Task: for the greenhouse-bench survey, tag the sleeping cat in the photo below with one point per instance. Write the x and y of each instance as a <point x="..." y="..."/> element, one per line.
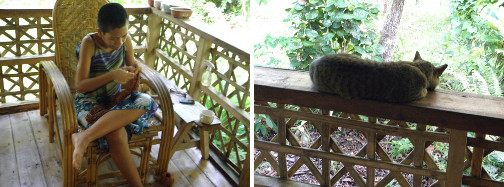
<point x="352" y="77"/>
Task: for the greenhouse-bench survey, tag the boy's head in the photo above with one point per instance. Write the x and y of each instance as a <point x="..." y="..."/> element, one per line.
<point x="113" y="25"/>
<point x="112" y="16"/>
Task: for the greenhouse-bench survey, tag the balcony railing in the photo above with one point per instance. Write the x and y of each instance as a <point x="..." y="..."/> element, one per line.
<point x="442" y="118"/>
<point x="176" y="48"/>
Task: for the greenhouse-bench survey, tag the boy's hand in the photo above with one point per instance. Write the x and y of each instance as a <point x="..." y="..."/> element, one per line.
<point x="123" y="75"/>
<point x="137" y="67"/>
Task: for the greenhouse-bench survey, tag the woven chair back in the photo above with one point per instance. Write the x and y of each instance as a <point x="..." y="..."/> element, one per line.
<point x="72" y="20"/>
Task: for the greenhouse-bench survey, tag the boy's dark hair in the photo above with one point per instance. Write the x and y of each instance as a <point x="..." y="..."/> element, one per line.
<point x="112" y="16"/>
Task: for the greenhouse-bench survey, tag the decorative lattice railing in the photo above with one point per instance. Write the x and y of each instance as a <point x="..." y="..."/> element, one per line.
<point x="182" y="47"/>
<point x="26" y="38"/>
<point x="333" y="141"/>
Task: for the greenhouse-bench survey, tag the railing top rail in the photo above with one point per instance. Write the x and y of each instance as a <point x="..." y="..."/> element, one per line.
<point x="443" y="108"/>
<point x="204" y="31"/>
<point x="40" y="11"/>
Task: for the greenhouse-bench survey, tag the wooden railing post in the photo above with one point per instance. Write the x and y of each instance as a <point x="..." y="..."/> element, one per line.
<point x="153" y="35"/>
<point x="282" y="140"/>
<point x="418" y="155"/>
<point x="202" y="54"/>
<point x="325" y="136"/>
<point x="245" y="173"/>
<point x="371" y="149"/>
<point x="456" y="153"/>
<point x="477" y="158"/>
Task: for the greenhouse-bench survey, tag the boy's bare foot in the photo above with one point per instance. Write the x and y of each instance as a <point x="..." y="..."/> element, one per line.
<point x="79" y="147"/>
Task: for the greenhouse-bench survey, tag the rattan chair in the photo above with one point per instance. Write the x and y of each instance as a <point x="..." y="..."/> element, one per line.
<point x="72" y="20"/>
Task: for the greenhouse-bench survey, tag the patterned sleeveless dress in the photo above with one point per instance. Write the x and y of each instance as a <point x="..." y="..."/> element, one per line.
<point x="103" y="62"/>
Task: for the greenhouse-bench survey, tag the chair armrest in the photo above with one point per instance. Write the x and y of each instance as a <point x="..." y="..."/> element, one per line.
<point x="64" y="95"/>
<point x="155" y="81"/>
<point x="58" y="88"/>
<point x="158" y="83"/>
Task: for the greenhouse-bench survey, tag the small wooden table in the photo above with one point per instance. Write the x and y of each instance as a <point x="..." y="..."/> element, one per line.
<point x="189" y="115"/>
<point x="183" y="138"/>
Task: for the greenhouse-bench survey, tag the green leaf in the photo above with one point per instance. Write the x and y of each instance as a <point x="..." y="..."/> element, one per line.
<point x="307" y="44"/>
<point x="341" y="4"/>
<point x="378" y="49"/>
<point x="312" y="14"/>
<point x="375" y="10"/>
<point x="360" y="13"/>
<point x="347" y="16"/>
<point x="490" y="39"/>
<point x="298" y="7"/>
<point x="291" y="46"/>
<point x="271" y="124"/>
<point x="313" y="1"/>
<point x="327" y="49"/>
<point x="264" y="131"/>
<point x="311" y="33"/>
<point x="328" y="37"/>
<point x="331" y="2"/>
<point x="360" y="50"/>
<point x="327" y="23"/>
<point x="340" y="33"/>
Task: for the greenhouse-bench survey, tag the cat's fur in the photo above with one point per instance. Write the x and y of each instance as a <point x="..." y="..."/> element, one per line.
<point x="352" y="77"/>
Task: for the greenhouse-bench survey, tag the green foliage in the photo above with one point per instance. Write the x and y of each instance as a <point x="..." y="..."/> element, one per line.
<point x="264" y="124"/>
<point x="211" y="11"/>
<point x="467" y="70"/>
<point x="476" y="24"/>
<point x="400" y="148"/>
<point x="442" y="157"/>
<point x="494" y="165"/>
<point x="325" y="27"/>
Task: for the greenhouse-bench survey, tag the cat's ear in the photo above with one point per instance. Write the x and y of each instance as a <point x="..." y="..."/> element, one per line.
<point x="441" y="69"/>
<point x="417" y="56"/>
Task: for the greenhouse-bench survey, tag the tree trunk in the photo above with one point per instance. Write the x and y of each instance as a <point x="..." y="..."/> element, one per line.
<point x="390" y="28"/>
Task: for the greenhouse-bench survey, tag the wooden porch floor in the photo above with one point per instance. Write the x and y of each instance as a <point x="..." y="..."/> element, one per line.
<point x="28" y="159"/>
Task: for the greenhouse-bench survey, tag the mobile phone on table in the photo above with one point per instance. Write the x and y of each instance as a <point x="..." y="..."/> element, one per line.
<point x="187" y="101"/>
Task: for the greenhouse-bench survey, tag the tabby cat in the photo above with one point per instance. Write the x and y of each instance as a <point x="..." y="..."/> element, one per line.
<point x="352" y="77"/>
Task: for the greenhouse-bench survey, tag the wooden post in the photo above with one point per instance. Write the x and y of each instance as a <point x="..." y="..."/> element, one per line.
<point x="282" y="140"/>
<point x="477" y="158"/>
<point x="245" y="173"/>
<point x="455" y="167"/>
<point x="371" y="149"/>
<point x="202" y="54"/>
<point x="418" y="156"/>
<point x="42" y="90"/>
<point x="153" y="35"/>
<point x="204" y="143"/>
<point x="325" y="136"/>
<point x="52" y="111"/>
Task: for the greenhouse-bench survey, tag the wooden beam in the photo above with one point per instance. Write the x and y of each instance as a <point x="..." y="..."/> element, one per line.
<point x="349" y="159"/>
<point x="456" y="154"/>
<point x="204" y="31"/>
<point x="9" y="108"/>
<point x="475" y="181"/>
<point x="477" y="158"/>
<point x="32" y="59"/>
<point x="447" y="109"/>
<point x="260" y="180"/>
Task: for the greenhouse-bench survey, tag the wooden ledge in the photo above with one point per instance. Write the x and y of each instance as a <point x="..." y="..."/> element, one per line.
<point x="46" y="11"/>
<point x="261" y="180"/>
<point x="443" y="108"/>
<point x="204" y="31"/>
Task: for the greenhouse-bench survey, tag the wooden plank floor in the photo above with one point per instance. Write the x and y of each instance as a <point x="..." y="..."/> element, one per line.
<point x="28" y="159"/>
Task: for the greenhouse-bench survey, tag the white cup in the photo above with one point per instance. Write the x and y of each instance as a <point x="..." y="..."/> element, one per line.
<point x="206" y="116"/>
